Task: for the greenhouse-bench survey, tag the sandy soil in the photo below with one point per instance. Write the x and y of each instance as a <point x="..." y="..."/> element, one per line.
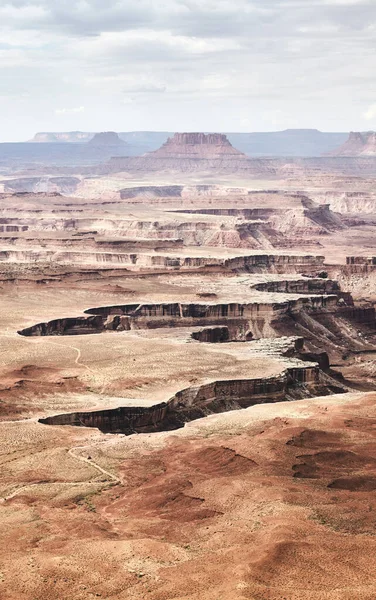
<point x="234" y="506"/>
<point x="274" y="502"/>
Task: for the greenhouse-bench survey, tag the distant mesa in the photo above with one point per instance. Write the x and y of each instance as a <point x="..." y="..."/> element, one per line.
<point x="191" y="152"/>
<point x="358" y="144"/>
<point x="291" y="142"/>
<point x="70" y="137"/>
<point x="197" y="145"/>
<point x="106" y="138"/>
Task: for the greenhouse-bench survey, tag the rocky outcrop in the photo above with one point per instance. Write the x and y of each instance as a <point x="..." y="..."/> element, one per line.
<point x="357" y="204"/>
<point x="277" y="263"/>
<point x="213" y="310"/>
<point x="106" y="138"/>
<point x="256" y="228"/>
<point x="299" y="286"/>
<point x="68" y="326"/>
<point x="197" y="402"/>
<point x="190" y="152"/>
<point x="212" y="335"/>
<point x="359" y="266"/>
<point x="255" y="263"/>
<point x="361" y="260"/>
<point x="358" y="144"/>
<point x="240" y="320"/>
<point x="197" y="145"/>
<point x="322" y="215"/>
<point x="67" y="257"/>
<point x="84" y="241"/>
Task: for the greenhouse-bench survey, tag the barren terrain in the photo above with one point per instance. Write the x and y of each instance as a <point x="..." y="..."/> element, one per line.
<point x="187" y="376"/>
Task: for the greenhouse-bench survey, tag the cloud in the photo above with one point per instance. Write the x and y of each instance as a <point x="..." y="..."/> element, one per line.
<point x="162" y="64"/>
<point x="69" y="111"/>
<point x="370" y="112"/>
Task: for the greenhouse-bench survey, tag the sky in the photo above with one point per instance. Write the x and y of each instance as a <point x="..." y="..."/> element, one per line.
<point x="186" y="65"/>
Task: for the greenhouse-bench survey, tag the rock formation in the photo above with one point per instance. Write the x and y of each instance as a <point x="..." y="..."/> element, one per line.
<point x="187" y="152"/>
<point x="197" y="145"/>
<point x="251" y="263"/>
<point x="106" y="138"/>
<point x="291" y="142"/>
<point x="358" y="144"/>
<point x="194" y="403"/>
<point x="246" y="500"/>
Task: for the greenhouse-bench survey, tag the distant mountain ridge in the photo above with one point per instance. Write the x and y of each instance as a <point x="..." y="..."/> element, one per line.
<point x="291" y="142"/>
<point x="70" y="137"/>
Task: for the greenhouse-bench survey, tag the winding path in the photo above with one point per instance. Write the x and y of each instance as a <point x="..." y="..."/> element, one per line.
<point x="77" y="359"/>
<point x="114" y="479"/>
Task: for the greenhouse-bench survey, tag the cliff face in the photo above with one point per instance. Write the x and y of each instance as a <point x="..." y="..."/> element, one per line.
<point x="231" y="321"/>
<point x="187" y="152"/>
<point x="197" y="402"/>
<point x="197" y="145"/>
<point x="358" y="144"/>
<point x="246" y="263"/>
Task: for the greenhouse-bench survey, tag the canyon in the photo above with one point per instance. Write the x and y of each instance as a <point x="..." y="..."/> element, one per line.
<point x="187" y="372"/>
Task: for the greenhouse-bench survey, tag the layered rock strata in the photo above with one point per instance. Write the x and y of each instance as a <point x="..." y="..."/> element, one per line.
<point x="187" y="152"/>
<point x="277" y="263"/>
<point x="242" y="320"/>
<point x="197" y="402"/>
<point x="197" y="145"/>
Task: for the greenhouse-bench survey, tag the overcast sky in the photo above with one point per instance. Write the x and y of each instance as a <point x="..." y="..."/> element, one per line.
<point x="186" y="65"/>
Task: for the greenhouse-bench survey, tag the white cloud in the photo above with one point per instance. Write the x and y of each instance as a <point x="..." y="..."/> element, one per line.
<point x="186" y="64"/>
<point x="370" y="112"/>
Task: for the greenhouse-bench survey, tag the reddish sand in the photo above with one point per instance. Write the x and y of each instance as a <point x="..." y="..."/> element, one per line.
<point x="259" y="509"/>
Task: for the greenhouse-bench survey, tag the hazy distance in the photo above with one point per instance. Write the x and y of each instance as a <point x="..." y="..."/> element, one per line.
<point x="186" y="65"/>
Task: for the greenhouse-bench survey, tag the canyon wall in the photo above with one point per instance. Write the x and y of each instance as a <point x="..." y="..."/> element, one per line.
<point x="197" y="402"/>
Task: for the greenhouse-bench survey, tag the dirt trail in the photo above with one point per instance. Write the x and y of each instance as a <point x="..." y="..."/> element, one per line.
<point x="77" y="359"/>
<point x="91" y="463"/>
